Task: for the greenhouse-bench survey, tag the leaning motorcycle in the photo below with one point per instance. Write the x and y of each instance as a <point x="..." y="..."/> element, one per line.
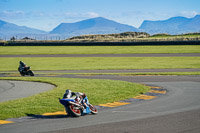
<point x="26" y="71"/>
<point x="76" y="109"/>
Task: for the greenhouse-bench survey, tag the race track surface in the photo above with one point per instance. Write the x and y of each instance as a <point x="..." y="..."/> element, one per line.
<point x="157" y="115"/>
<point x="178" y="111"/>
<point x="10" y="90"/>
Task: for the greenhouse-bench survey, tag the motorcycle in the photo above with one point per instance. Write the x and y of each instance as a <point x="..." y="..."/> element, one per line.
<point x="26" y="71"/>
<point x="76" y="109"/>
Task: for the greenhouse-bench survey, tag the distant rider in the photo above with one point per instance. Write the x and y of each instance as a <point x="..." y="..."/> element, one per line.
<point x="22" y="66"/>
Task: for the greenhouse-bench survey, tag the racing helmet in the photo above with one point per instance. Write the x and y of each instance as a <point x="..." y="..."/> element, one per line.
<point x="68" y="93"/>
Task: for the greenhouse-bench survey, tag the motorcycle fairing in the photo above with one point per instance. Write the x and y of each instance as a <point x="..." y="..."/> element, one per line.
<point x="65" y="101"/>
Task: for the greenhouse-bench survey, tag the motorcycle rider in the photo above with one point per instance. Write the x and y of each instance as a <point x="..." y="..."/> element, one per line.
<point x="79" y="97"/>
<point x="68" y="94"/>
<point x="22" y="66"/>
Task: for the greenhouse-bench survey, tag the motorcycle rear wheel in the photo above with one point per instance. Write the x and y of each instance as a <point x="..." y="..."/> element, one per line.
<point x="31" y="73"/>
<point x="74" y="111"/>
<point x="22" y="74"/>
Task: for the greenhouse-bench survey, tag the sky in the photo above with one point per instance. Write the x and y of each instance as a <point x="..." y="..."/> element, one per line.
<point x="47" y="14"/>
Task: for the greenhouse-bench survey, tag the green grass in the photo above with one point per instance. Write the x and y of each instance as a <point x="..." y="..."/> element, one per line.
<point x="17" y="50"/>
<point x="98" y="91"/>
<point x="95" y="63"/>
<point x="175" y="36"/>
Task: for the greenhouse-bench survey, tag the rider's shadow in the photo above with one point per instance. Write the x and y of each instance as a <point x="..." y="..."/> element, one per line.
<point x="33" y="116"/>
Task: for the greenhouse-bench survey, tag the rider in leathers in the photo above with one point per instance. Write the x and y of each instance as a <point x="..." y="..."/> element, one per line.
<point x="22" y="66"/>
<point x="79" y="97"/>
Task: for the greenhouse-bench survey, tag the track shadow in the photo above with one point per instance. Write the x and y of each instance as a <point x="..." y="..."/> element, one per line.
<point x="33" y="116"/>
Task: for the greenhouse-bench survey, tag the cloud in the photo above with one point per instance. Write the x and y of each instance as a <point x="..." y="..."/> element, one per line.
<point x="92" y="14"/>
<point x="12" y="13"/>
<point x="39" y="14"/>
<point x="81" y="15"/>
<point x="15" y="12"/>
<point x="21" y="14"/>
<point x="189" y="14"/>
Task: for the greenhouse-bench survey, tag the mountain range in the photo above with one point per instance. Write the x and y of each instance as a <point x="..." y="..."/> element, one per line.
<point x="100" y="25"/>
<point x="7" y="29"/>
<point x="175" y="25"/>
<point x="97" y="25"/>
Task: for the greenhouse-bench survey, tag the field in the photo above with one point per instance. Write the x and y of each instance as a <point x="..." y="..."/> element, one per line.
<point x="18" y="50"/>
<point x="100" y="63"/>
<point x="98" y="91"/>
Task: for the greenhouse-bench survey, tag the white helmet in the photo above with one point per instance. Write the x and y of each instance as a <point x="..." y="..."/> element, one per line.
<point x="68" y="93"/>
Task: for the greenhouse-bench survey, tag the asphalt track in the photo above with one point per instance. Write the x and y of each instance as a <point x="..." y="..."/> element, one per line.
<point x="10" y="90"/>
<point x="177" y="111"/>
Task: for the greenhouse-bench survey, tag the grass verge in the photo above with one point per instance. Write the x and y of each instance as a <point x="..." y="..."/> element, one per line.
<point x="98" y="91"/>
<point x="100" y="63"/>
<point x="20" y="50"/>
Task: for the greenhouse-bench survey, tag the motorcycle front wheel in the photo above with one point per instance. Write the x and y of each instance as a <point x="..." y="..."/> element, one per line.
<point x="93" y="109"/>
<point x="74" y="111"/>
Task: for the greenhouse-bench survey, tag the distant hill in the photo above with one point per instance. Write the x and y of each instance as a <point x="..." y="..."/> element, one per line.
<point x="97" y="25"/>
<point x="174" y="25"/>
<point x="9" y="29"/>
<point x="117" y="37"/>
